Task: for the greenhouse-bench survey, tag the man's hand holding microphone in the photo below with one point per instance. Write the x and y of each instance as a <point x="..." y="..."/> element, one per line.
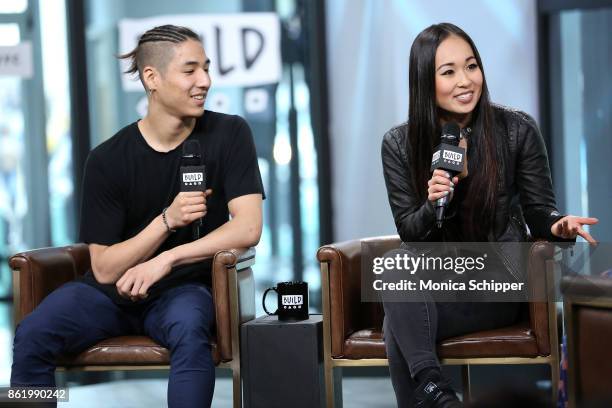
<point x="188" y="208"/>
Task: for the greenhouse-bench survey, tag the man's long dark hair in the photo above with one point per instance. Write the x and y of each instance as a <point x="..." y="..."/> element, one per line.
<point x="424" y="133"/>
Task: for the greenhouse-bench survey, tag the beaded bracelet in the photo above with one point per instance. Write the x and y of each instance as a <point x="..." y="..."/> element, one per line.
<point x="166" y="221"/>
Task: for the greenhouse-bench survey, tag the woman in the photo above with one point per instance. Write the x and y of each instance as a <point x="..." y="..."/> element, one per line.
<point x="508" y="185"/>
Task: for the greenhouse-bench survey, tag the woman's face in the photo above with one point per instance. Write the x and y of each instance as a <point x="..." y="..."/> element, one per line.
<point x="458" y="79"/>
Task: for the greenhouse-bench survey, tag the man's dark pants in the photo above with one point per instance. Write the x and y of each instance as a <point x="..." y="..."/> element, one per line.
<point x="76" y="316"/>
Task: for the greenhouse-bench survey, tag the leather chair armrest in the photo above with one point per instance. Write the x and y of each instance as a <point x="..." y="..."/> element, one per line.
<point x="539" y="254"/>
<point x="343" y="261"/>
<point x="81" y="256"/>
<point x="38" y="272"/>
<point x="344" y="274"/>
<point x="593" y="288"/>
<point x="225" y="263"/>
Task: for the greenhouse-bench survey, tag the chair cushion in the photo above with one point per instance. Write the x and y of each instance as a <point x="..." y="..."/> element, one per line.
<point x="513" y="341"/>
<point x="124" y="350"/>
<point x="367" y="343"/>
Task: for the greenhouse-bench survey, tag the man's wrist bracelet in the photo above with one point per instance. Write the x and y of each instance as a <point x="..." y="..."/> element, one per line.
<point x="166" y="221"/>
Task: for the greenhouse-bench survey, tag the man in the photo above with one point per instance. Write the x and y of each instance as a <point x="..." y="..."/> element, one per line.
<point x="147" y="272"/>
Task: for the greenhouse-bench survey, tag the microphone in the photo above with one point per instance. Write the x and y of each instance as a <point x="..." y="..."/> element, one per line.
<point x="450" y="157"/>
<point x="193" y="176"/>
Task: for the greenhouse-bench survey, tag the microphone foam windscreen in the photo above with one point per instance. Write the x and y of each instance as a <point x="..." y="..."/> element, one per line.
<point x="191" y="148"/>
<point x="451" y="128"/>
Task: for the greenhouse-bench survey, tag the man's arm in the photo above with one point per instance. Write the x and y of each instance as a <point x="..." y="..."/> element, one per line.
<point x="109" y="263"/>
<point x="241" y="231"/>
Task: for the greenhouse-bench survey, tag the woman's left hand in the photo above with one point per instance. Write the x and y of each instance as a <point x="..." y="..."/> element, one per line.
<point x="570" y="226"/>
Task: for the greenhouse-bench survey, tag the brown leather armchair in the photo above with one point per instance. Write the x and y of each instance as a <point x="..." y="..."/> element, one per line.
<point x="587" y="303"/>
<point x="352" y="330"/>
<point x="38" y="272"/>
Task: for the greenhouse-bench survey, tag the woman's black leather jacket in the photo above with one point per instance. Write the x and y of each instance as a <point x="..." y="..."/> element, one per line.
<point x="525" y="195"/>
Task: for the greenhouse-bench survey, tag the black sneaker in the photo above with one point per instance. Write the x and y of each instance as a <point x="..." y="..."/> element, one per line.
<point x="435" y="392"/>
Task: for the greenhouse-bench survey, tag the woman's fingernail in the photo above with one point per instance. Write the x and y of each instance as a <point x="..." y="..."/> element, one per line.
<point x="452" y="189"/>
<point x="452" y="184"/>
<point x="447" y="174"/>
<point x="446" y="193"/>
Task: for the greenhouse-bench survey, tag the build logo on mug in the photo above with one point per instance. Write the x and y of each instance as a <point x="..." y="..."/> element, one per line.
<point x="292" y="300"/>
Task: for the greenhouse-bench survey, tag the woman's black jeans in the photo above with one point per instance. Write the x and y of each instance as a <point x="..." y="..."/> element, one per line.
<point x="413" y="328"/>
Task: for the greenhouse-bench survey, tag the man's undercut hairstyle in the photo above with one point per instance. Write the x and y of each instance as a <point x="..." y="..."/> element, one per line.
<point x="153" y="48"/>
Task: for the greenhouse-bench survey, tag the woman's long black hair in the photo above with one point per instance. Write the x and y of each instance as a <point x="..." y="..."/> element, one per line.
<point x="424" y="133"/>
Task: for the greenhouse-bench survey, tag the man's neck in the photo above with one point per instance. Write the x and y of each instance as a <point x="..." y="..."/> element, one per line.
<point x="164" y="132"/>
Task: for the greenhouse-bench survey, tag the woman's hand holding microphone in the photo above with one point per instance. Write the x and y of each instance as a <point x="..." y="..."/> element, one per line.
<point x="440" y="185"/>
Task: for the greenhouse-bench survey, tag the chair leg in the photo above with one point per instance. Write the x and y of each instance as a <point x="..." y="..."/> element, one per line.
<point x="337" y="376"/>
<point x="333" y="386"/>
<point x="60" y="378"/>
<point x="465" y="376"/>
<point x="329" y="384"/>
<point x="554" y="381"/>
<point x="237" y="384"/>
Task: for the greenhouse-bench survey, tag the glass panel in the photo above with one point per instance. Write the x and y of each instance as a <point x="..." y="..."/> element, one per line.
<point x="25" y="219"/>
<point x="6" y="341"/>
<point x="585" y="114"/>
<point x="13" y="6"/>
<point x="59" y="143"/>
<point x="13" y="197"/>
<point x="9" y="34"/>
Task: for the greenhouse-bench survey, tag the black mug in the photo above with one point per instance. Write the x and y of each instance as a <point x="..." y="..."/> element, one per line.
<point x="292" y="300"/>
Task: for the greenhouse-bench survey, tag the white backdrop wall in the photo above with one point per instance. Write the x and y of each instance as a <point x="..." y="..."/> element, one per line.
<point x="368" y="47"/>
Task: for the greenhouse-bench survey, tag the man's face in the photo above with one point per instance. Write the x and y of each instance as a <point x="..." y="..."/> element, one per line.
<point x="182" y="89"/>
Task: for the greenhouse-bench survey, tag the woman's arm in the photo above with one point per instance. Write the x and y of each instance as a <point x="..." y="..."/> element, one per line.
<point x="536" y="193"/>
<point x="570" y="226"/>
<point x="414" y="218"/>
<point x="534" y="182"/>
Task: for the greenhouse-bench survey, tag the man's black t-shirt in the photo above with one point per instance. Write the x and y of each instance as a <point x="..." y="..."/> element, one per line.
<point x="127" y="184"/>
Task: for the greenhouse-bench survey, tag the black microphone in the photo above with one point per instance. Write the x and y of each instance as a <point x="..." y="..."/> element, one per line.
<point x="449" y="157"/>
<point x="193" y="176"/>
